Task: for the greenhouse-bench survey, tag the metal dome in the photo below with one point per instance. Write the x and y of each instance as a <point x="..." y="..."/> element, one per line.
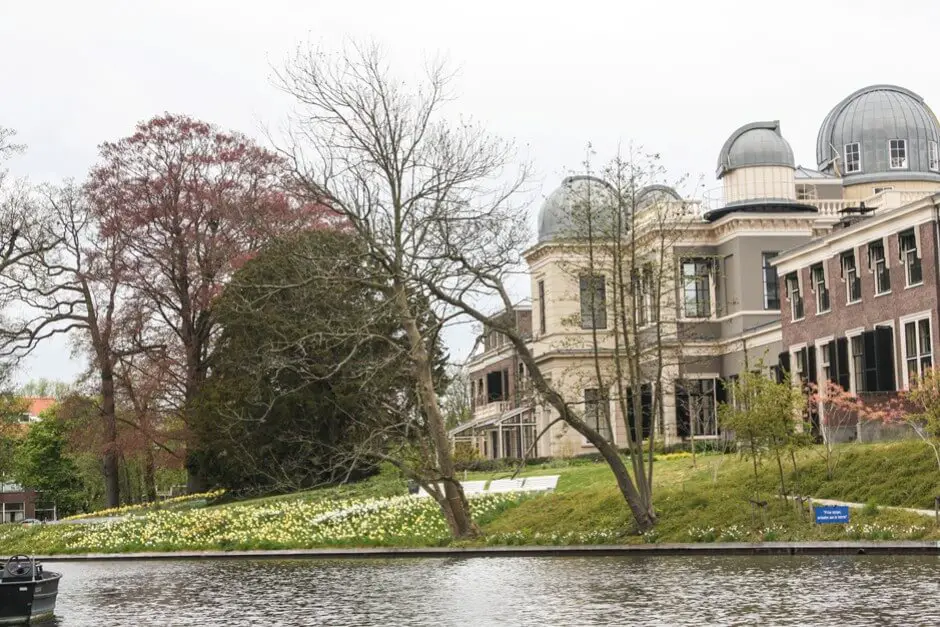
<point x="557" y="217"/>
<point x="755" y="144"/>
<point x="872" y="117"/>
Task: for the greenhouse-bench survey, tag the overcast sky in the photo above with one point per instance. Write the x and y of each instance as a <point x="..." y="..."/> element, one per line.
<point x="676" y="77"/>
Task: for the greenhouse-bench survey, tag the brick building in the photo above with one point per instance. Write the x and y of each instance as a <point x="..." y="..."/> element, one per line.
<point x="829" y="273"/>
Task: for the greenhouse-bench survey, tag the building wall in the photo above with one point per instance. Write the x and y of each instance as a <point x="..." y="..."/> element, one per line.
<point x="759" y="182"/>
<point x="872" y="310"/>
<point x="29" y="498"/>
<point x="866" y="190"/>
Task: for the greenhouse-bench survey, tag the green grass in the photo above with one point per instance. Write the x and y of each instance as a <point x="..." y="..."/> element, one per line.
<point x="704" y="502"/>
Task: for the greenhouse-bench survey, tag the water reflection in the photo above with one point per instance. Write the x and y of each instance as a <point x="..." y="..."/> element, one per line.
<point x="844" y="590"/>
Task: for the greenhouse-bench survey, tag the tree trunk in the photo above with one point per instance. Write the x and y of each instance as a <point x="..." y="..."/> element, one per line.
<point x="150" y="475"/>
<point x="456" y="508"/>
<point x="112" y="483"/>
<point x="642" y="509"/>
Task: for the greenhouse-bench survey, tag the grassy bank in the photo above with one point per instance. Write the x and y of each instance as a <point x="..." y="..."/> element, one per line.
<point x="704" y="502"/>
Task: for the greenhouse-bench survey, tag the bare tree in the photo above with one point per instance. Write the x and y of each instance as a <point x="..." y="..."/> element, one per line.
<point x="77" y="287"/>
<point x="435" y="203"/>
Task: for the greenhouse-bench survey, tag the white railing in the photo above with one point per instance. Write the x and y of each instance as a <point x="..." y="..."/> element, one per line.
<point x="889" y="199"/>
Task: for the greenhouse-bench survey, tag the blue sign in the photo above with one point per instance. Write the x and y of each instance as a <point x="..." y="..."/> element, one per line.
<point x="826" y="514"/>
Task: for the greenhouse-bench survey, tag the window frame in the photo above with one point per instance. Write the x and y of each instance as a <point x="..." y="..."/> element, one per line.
<point x="599" y="402"/>
<point x="899" y="146"/>
<point x="599" y="308"/>
<point x="701" y="392"/>
<point x="916" y="320"/>
<point x="933" y="156"/>
<point x="856" y="375"/>
<point x="910" y="256"/>
<point x="849" y="282"/>
<point x="879" y="245"/>
<point x="700" y="282"/>
<point x="543" y="325"/>
<point x="858" y="157"/>
<point x="820" y="287"/>
<point x="793" y="279"/>
<point x="770" y="296"/>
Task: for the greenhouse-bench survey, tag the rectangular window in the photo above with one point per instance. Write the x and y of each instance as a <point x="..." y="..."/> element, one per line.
<point x="542" y="307"/>
<point x="897" y="150"/>
<point x="907" y="244"/>
<point x="597" y="412"/>
<point x="878" y="262"/>
<point x="648" y="302"/>
<point x="639" y="297"/>
<point x="825" y="362"/>
<point x="853" y="158"/>
<point x="593" y="302"/>
<point x="771" y="289"/>
<point x="933" y="156"/>
<point x="796" y="299"/>
<point x="800" y="366"/>
<point x="918" y="349"/>
<point x="696" y="298"/>
<point x="858" y="364"/>
<point x="818" y="272"/>
<point x="698" y="395"/>
<point x="853" y="283"/>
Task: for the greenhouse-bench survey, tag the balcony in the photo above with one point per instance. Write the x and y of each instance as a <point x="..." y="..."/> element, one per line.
<point x="491" y="409"/>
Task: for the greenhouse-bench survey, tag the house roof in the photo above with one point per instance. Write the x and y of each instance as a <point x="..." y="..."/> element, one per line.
<point x="39" y="404"/>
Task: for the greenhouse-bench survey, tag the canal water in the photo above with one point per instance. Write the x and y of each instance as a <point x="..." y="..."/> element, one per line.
<point x="837" y="590"/>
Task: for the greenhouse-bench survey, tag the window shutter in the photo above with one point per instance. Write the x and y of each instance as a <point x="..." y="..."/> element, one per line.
<point x="810" y="362"/>
<point x="884" y="359"/>
<point x="646" y="403"/>
<point x="783" y="360"/>
<point x="683" y="423"/>
<point x="842" y="363"/>
<point x="869" y="361"/>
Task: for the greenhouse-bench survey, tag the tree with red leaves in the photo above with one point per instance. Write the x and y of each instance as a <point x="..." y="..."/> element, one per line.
<point x="191" y="202"/>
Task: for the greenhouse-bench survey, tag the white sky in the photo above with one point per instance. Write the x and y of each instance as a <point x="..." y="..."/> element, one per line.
<point x="677" y="77"/>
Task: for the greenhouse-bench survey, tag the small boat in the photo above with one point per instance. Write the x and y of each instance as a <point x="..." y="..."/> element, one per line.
<point x="27" y="592"/>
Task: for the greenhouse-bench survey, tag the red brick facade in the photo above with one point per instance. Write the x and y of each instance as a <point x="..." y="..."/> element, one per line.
<point x="872" y="310"/>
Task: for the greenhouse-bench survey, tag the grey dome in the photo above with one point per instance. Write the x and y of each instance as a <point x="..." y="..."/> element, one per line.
<point x="755" y="144"/>
<point x="871" y="117"/>
<point x="556" y="217"/>
<point x="652" y="194"/>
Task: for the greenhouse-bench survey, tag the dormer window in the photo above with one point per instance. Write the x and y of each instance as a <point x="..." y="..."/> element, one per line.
<point x="853" y="158"/>
<point x="933" y="156"/>
<point x="897" y="151"/>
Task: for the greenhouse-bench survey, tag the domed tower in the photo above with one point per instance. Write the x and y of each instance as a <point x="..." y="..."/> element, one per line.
<point x="564" y="213"/>
<point x="756" y="168"/>
<point x="882" y="136"/>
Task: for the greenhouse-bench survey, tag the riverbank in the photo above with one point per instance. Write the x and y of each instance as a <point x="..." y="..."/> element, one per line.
<point x="671" y="549"/>
<point x="708" y="501"/>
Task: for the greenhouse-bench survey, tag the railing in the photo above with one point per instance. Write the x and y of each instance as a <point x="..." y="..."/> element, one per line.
<point x="889" y="199"/>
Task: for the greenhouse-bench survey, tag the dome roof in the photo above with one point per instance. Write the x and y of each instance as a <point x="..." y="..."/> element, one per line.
<point x="871" y="117"/>
<point x="557" y="215"/>
<point x="755" y="144"/>
<point x="656" y="194"/>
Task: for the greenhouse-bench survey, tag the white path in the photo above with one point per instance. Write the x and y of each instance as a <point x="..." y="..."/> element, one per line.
<point x="922" y="512"/>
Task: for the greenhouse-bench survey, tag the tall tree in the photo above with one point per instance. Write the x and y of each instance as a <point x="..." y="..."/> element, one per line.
<point x="77" y="287"/>
<point x="190" y="203"/>
<point x="377" y="151"/>
<point x="306" y="370"/>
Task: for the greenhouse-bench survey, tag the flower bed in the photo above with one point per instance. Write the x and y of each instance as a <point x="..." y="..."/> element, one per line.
<point x="395" y="521"/>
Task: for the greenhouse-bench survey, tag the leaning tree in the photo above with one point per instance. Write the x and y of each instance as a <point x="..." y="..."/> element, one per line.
<point x="436" y="202"/>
